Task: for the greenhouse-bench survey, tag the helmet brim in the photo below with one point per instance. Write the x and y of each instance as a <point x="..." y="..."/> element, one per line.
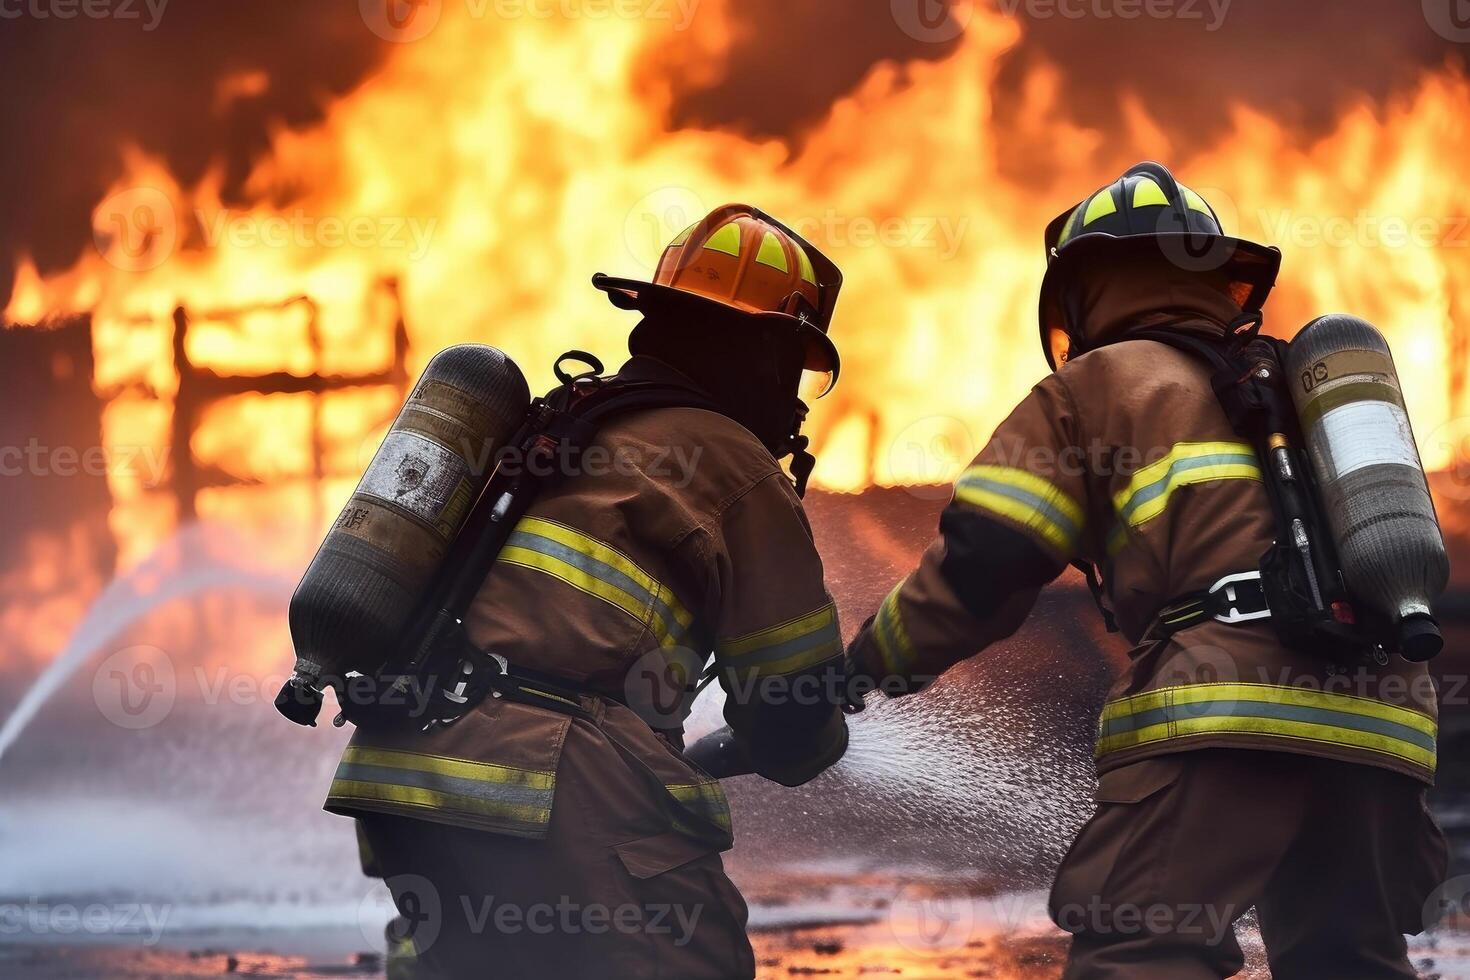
<point x="1252" y="265"/>
<point x="650" y="297"/>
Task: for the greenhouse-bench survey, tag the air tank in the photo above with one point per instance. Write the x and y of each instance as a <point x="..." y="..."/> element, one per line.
<point x="1374" y="493"/>
<point x="381" y="556"/>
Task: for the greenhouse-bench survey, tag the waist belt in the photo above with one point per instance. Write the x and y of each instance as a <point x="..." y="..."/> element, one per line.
<point x="1236" y="598"/>
<point x="532" y="687"/>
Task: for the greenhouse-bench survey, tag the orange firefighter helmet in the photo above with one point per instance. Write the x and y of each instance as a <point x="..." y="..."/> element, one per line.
<point x="740" y="258"/>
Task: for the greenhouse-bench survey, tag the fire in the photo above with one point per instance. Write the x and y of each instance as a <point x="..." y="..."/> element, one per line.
<point x="488" y="168"/>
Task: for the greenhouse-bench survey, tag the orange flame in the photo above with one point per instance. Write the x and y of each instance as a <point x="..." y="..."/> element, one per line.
<point x="491" y="167"/>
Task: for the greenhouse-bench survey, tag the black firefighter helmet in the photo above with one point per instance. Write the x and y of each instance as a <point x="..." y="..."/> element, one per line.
<point x="1145" y="211"/>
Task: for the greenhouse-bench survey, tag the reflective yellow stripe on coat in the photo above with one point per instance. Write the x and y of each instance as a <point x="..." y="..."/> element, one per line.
<point x="786" y="648"/>
<point x="1271" y="712"/>
<point x="1149" y="492"/>
<point x="1029" y="500"/>
<point x="600" y="570"/>
<point x="705" y="798"/>
<point x="515" y="801"/>
<point x="892" y="636"/>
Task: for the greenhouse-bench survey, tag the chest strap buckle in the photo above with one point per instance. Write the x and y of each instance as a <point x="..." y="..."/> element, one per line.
<point x="1237" y="598"/>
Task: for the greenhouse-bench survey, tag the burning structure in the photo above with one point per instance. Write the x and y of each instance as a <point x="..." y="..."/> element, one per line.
<point x="228" y="310"/>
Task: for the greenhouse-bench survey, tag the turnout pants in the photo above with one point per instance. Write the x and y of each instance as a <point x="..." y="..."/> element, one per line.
<point x="1339" y="861"/>
<point x="610" y="892"/>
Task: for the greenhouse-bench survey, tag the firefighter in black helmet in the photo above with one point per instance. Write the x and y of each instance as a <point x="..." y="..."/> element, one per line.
<point x="1235" y="770"/>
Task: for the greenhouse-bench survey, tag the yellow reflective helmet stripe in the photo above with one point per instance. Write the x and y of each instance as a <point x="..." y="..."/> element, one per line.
<point x="804" y="263"/>
<point x="1071" y="225"/>
<point x="1148" y="493"/>
<point x="683" y="236"/>
<point x="1271" y="712"/>
<point x="1195" y="202"/>
<point x="772" y="253"/>
<point x="726" y="240"/>
<point x="589" y="565"/>
<point x="786" y="648"/>
<point x="1028" y="500"/>
<point x="1101" y="205"/>
<point x="1147" y="194"/>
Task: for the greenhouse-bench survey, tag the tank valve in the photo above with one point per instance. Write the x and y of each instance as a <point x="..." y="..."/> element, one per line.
<point x="1420" y="638"/>
<point x="299" y="701"/>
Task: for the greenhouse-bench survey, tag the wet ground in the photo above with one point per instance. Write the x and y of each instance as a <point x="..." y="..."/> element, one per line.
<point x="920" y="935"/>
<point x="835" y="952"/>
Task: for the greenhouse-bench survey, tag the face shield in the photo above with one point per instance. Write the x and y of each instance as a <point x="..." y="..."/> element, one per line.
<point x="815" y="384"/>
<point x="1060" y="346"/>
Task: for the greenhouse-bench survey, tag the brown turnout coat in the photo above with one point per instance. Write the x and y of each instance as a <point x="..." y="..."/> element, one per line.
<point x="1124" y="458"/>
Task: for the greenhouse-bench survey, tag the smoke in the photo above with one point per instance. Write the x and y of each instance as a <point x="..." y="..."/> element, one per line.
<point x="194" y="83"/>
<point x="1185" y="63"/>
<point x="1295" y="62"/>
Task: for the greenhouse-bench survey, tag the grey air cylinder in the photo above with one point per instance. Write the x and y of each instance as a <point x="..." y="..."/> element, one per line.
<point x="1375" y="495"/>
<point x="381" y="556"/>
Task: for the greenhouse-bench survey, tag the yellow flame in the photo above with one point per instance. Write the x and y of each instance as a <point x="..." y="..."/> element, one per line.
<point x="492" y="166"/>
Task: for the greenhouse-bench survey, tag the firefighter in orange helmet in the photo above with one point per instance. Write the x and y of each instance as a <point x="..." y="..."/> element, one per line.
<point x="1236" y="770"/>
<point x="547" y="842"/>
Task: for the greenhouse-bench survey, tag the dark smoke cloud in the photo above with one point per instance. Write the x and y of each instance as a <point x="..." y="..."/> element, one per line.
<point x="793" y="58"/>
<point x="77" y="90"/>
<point x="1297" y="62"/>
